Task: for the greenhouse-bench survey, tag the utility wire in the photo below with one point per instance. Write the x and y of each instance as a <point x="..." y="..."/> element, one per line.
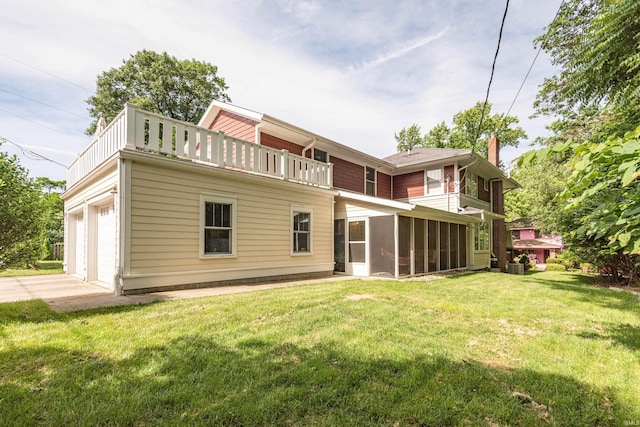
<point x="493" y="67"/>
<point x="30" y="154"/>
<point x="41" y="103"/>
<point x="47" y="73"/>
<point x="35" y="122"/>
<point x="529" y="70"/>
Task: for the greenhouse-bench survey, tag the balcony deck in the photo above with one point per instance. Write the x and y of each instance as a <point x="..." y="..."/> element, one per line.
<point x="140" y="130"/>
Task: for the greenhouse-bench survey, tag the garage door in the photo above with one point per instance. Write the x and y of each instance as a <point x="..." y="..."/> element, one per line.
<point x="106" y="247"/>
<point x="79" y="246"/>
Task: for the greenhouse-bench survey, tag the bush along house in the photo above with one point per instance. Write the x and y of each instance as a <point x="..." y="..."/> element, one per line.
<point x="154" y="203"/>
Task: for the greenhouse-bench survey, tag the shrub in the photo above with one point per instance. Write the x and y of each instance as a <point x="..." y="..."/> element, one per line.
<point x="524" y="259"/>
<point x="555" y="267"/>
<point x="556" y="260"/>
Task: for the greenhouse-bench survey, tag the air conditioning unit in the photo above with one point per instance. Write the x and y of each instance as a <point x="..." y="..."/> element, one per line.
<point x="515" y="268"/>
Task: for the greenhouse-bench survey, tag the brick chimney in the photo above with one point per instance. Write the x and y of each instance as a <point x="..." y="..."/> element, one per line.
<point x="493" y="150"/>
<point x="499" y="240"/>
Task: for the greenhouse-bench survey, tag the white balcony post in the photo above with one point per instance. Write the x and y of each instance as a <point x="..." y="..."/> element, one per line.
<point x="130" y="125"/>
<point x="220" y="148"/>
<point x="330" y="175"/>
<point x="285" y="164"/>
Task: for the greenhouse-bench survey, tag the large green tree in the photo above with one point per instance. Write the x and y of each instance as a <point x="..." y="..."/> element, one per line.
<point x="409" y="138"/>
<point x="52" y="208"/>
<point x="596" y="96"/>
<point x="21" y="219"/>
<point x="596" y="45"/>
<point x="160" y="83"/>
<point x="540" y="182"/>
<point x="466" y="132"/>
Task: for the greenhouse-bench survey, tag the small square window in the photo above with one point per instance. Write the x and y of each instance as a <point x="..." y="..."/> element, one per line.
<point x="320" y="155"/>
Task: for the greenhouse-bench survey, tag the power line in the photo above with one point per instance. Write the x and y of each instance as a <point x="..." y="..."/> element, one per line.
<point x="30" y="154"/>
<point x="535" y="58"/>
<point x="35" y="122"/>
<point x="42" y="103"/>
<point x="493" y="67"/>
<point x="47" y="73"/>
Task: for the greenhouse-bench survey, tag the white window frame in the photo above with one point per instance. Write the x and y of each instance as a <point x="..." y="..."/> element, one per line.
<point x="367" y="181"/>
<point x="471" y="185"/>
<point x="482" y="242"/>
<point x="306" y="210"/>
<point x="225" y="200"/>
<point x="434" y="179"/>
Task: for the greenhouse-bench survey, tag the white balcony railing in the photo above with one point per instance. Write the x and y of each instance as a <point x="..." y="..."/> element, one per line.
<point x="140" y="130"/>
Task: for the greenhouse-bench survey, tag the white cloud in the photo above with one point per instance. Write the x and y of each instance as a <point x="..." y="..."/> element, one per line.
<point x="288" y="59"/>
<point x="398" y="51"/>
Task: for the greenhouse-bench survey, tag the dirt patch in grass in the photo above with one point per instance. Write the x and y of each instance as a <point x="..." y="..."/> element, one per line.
<point x="541" y="410"/>
<point x="359" y="297"/>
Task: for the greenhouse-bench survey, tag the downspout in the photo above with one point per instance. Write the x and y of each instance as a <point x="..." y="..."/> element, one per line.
<point x="448" y="194"/>
<point x="308" y="147"/>
<point x="257" y="134"/>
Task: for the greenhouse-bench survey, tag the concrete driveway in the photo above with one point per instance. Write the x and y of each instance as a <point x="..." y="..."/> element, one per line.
<point x="64" y="293"/>
<point x="67" y="293"/>
<point x="45" y="287"/>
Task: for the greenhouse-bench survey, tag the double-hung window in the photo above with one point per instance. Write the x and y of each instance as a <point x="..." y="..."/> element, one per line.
<point x="481" y="242"/>
<point x="471" y="184"/>
<point x="301" y="230"/>
<point x="218" y="217"/>
<point x="370" y="181"/>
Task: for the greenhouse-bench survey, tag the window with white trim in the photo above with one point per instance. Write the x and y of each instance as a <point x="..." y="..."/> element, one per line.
<point x="370" y="181"/>
<point x="481" y="242"/>
<point x="301" y="230"/>
<point x="218" y="217"/>
<point x="471" y="184"/>
<point x="320" y="155"/>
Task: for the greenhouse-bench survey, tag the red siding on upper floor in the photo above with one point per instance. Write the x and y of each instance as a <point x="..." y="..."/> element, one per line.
<point x="383" y="182"/>
<point x="280" y="144"/>
<point x="235" y="126"/>
<point x="408" y="185"/>
<point x="347" y="175"/>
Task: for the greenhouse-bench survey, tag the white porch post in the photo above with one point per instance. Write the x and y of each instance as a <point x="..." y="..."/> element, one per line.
<point x="396" y="244"/>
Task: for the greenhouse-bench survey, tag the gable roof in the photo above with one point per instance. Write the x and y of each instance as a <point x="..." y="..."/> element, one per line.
<point x="405" y="160"/>
<point x="421" y="155"/>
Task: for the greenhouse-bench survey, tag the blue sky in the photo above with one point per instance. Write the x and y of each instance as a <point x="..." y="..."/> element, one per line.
<point x="353" y="71"/>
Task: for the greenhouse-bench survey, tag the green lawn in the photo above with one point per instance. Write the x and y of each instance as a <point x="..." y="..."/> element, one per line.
<point x="41" y="267"/>
<point x="480" y="349"/>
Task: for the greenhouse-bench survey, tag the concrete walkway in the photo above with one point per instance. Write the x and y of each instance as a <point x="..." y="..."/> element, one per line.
<point x="67" y="293"/>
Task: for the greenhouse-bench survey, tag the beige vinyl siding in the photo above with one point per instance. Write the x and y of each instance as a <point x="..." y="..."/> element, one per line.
<point x="94" y="187"/>
<point x="442" y="202"/>
<point x="481" y="260"/>
<point x="165" y="221"/>
<point x="472" y="201"/>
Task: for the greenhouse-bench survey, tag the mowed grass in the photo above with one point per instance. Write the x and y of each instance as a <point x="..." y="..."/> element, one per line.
<point x="41" y="268"/>
<point x="479" y="349"/>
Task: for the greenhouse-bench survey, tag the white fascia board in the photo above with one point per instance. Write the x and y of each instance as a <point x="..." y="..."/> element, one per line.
<point x="215" y="107"/>
<point x="376" y="201"/>
<point x="418" y="210"/>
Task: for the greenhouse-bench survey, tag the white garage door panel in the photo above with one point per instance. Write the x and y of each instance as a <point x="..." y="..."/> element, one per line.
<point x="106" y="247"/>
<point x="79" y="246"/>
